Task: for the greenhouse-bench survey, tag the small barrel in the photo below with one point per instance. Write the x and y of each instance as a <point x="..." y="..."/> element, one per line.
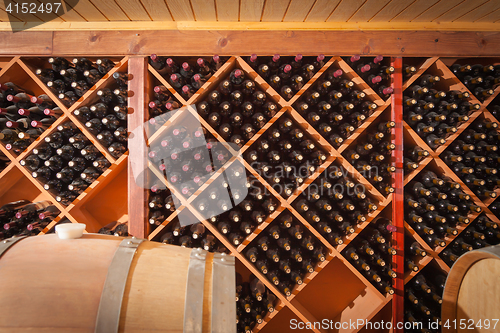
<point x="108" y="284"/>
<point x="471" y="297"/>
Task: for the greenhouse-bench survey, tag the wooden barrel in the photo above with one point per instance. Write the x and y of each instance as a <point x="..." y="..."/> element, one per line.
<point x="471" y="298"/>
<point x="101" y="283"/>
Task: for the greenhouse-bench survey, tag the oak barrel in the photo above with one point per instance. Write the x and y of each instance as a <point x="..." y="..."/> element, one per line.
<point x="53" y="285"/>
<point x="471" y="297"/>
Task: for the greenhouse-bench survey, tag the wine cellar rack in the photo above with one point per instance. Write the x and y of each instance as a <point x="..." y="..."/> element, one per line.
<point x="336" y="290"/>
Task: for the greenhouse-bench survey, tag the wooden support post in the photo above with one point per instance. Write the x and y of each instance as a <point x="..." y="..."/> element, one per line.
<point x="398" y="201"/>
<point x="137" y="181"/>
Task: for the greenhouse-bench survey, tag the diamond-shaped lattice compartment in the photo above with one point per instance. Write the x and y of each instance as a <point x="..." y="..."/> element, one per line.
<point x="104" y="115"/>
<point x="186" y="153"/>
<point x="236" y="108"/>
<point x="23" y="115"/>
<point x="66" y="163"/>
<point x="286" y="155"/>
<point x="239" y="207"/>
<point x="336" y="104"/>
<point x="370" y="154"/>
<point x="70" y="78"/>
<point x="474" y="157"/>
<point x="479" y="75"/>
<point x="286" y="74"/>
<point x="437" y="105"/>
<point x="286" y="252"/>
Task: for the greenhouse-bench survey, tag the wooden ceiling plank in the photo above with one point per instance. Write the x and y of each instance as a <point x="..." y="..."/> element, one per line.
<point x="437" y="10"/>
<point x="110" y="10"/>
<point x="71" y="15"/>
<point x="368" y="10"/>
<point x="134" y="10"/>
<point x="297" y="11"/>
<point x="491" y="17"/>
<point x="275" y="10"/>
<point x="180" y="10"/>
<point x="480" y="12"/>
<point x="251" y="10"/>
<point x="460" y="10"/>
<point x="24" y="17"/>
<point x="88" y="11"/>
<point x="414" y="10"/>
<point x="345" y="10"/>
<point x="227" y="10"/>
<point x="322" y="10"/>
<point x="49" y="17"/>
<point x="6" y="17"/>
<point x="157" y="10"/>
<point x="391" y="10"/>
<point x="204" y="10"/>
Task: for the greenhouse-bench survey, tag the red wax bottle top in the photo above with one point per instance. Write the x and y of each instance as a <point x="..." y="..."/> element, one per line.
<point x="152" y="121"/>
<point x="152" y="154"/>
<point x="378" y="59"/>
<point x="162" y="167"/>
<point x="196" y="179"/>
<point x="35" y="123"/>
<point x="185" y="168"/>
<point x="174" y="156"/>
<point x="197" y="77"/>
<point x="185" y="89"/>
<point x="185" y="66"/>
<point x="152" y="105"/>
<point x="200" y="61"/>
<point x="238" y="73"/>
<point x="365" y="68"/>
<point x="276" y="57"/>
<point x="298" y="57"/>
<point x="197" y="156"/>
<point x="337" y="73"/>
<point x="169" y="107"/>
<point x="174" y="77"/>
<point x="170" y="61"/>
<point x="216" y="58"/>
<point x="154" y="57"/>
<point x="157" y="89"/>
<point x="173" y="179"/>
<point x="287" y="68"/>
<point x="23" y="112"/>
<point x="186" y="144"/>
<point x="36" y="100"/>
<point x="253" y="57"/>
<point x="321" y="57"/>
<point x="208" y="168"/>
<point x="164" y="143"/>
<point x="376" y="79"/>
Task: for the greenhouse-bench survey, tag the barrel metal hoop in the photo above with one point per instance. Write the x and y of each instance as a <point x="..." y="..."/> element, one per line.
<point x="108" y="314"/>
<point x="223" y="293"/>
<point x="7" y="243"/>
<point x="193" y="306"/>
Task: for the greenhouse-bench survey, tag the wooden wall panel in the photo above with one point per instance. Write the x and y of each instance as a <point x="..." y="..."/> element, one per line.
<point x="298" y="10"/>
<point x="251" y="10"/>
<point x="480" y="12"/>
<point x="157" y="10"/>
<point x="86" y="9"/>
<point x="274" y="10"/>
<point x="392" y="10"/>
<point x="204" y="10"/>
<point x="134" y="9"/>
<point x="461" y="9"/>
<point x="180" y="10"/>
<point x="322" y="10"/>
<point x="414" y="10"/>
<point x="368" y="10"/>
<point x="345" y="10"/>
<point x="227" y="10"/>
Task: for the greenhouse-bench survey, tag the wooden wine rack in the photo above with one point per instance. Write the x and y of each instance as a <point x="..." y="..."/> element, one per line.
<point x="335" y="290"/>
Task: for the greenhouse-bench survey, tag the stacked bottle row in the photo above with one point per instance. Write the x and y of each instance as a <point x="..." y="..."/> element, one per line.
<point x="480" y="79"/>
<point x="4" y="161"/>
<point x="253" y="302"/>
<point x="482" y="233"/>
<point x="161" y="204"/>
<point x="371" y="254"/>
<point x="423" y="299"/>
<point x="285" y="156"/>
<point x="23" y="116"/>
<point x="160" y="106"/>
<point x="25" y="218"/>
<point x="285" y="252"/>
<point x="371" y="156"/>
<point x="237" y="109"/>
<point x="287" y="75"/>
<point x="70" y="80"/>
<point x="435" y="206"/>
<point x="66" y="163"/>
<point x="473" y="157"/>
<point x="107" y="119"/>
<point x="236" y="222"/>
<point x="335" y="106"/>
<point x="335" y="204"/>
<point x="193" y="235"/>
<point x="376" y="72"/>
<point x="435" y="112"/>
<point x="186" y="76"/>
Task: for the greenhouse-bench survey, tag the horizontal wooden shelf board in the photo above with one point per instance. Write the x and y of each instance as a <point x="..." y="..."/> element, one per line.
<point x="397" y="42"/>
